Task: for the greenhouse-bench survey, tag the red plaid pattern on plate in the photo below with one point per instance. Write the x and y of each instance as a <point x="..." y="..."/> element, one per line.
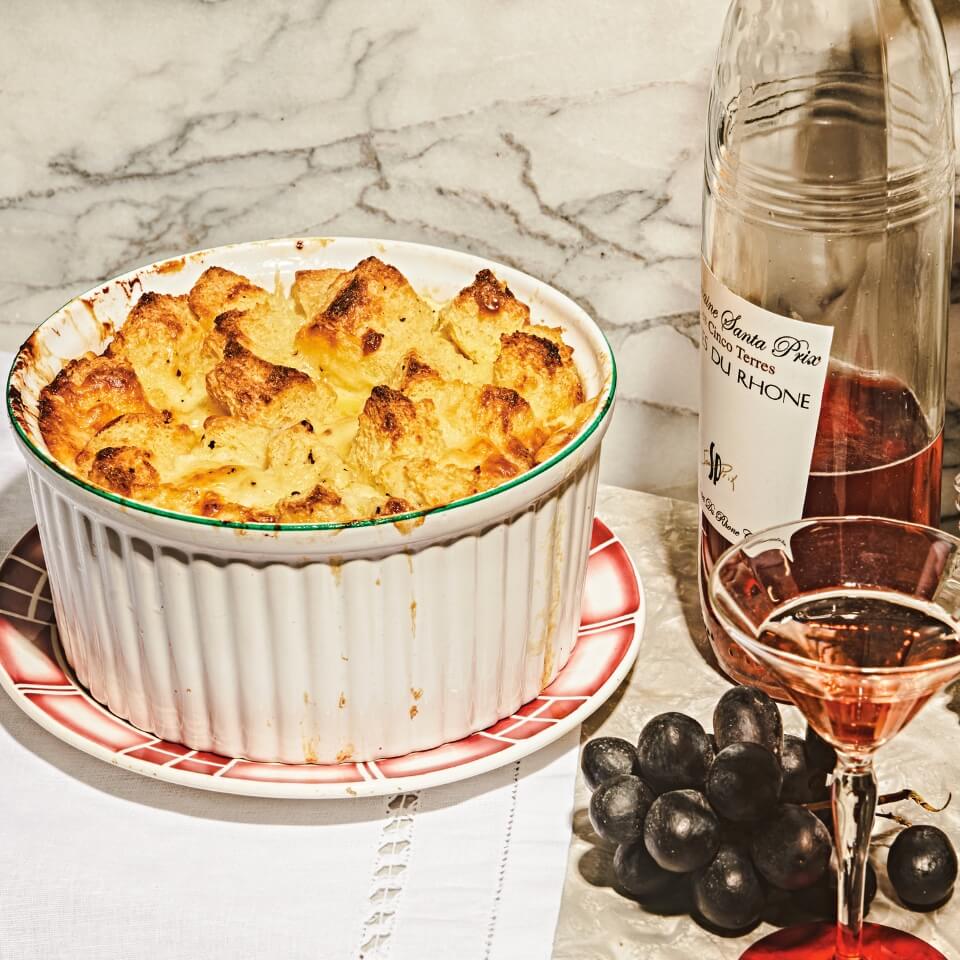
<point x="35" y="674"/>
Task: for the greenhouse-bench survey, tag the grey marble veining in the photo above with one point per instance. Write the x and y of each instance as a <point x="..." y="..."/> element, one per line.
<point x="560" y="139"/>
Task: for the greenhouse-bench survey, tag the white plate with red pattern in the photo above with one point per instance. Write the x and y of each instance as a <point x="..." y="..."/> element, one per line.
<point x="35" y="674"/>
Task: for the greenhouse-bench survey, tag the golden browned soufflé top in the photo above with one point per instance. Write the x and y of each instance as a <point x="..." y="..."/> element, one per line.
<point x="350" y="399"/>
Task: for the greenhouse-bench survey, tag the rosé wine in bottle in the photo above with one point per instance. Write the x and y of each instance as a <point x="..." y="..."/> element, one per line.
<point x="827" y="231"/>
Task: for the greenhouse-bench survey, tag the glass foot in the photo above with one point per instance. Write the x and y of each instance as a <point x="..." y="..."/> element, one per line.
<point x="816" y="941"/>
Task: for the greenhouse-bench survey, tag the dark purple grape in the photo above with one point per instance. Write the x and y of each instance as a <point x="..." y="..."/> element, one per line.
<point x="820" y="755"/>
<point x="825" y="816"/>
<point x="922" y="866"/>
<point x="674" y="752"/>
<point x="618" y="808"/>
<point x="727" y="892"/>
<point x="638" y="875"/>
<point x="744" y="782"/>
<point x="748" y="715"/>
<point x="682" y="833"/>
<point x="819" y="902"/>
<point x="801" y="783"/>
<point x="607" y="757"/>
<point x="792" y="848"/>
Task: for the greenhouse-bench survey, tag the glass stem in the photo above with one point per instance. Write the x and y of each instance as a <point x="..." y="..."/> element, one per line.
<point x="854" y="803"/>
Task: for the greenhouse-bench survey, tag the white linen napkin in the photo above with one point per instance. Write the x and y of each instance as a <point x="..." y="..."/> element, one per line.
<point x="97" y="863"/>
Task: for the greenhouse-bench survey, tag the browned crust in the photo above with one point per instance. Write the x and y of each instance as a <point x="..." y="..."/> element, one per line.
<point x="244" y="383"/>
<point x="154" y="314"/>
<point x="348" y="300"/>
<point x="539" y="365"/>
<point x="357" y="298"/>
<point x="320" y="502"/>
<point x="498" y="466"/>
<point x="172" y="266"/>
<point x="84" y="397"/>
<point x="228" y="323"/>
<point x="215" y="507"/>
<point x="536" y="350"/>
<point x="504" y="402"/>
<point x="371" y="341"/>
<point x="479" y="314"/>
<point x="124" y="470"/>
<point x="218" y="290"/>
<point x="390" y="411"/>
<point x="494" y="392"/>
<point x="312" y="290"/>
<point x="488" y="292"/>
<point x="17" y="407"/>
<point x="413" y="371"/>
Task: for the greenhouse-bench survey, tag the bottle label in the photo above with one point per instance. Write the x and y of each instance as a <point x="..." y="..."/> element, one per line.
<point x="761" y="383"/>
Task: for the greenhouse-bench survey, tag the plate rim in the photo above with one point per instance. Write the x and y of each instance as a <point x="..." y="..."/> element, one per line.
<point x="374" y="787"/>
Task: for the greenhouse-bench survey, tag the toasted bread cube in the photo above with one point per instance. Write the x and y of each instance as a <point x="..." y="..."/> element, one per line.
<point x="266" y="329"/>
<point x="414" y="373"/>
<point x="163" y="441"/>
<point x="219" y="290"/>
<point x="541" y="369"/>
<point x="432" y="364"/>
<point x="227" y="491"/>
<point x="83" y="398"/>
<point x="265" y="393"/>
<point x="371" y="320"/>
<point x="373" y="294"/>
<point x="470" y="415"/>
<point x="476" y="318"/>
<point x="391" y="427"/>
<point x="313" y="290"/>
<point x="505" y="419"/>
<point x="440" y="358"/>
<point x="452" y="400"/>
<point x="234" y="440"/>
<point x="163" y="342"/>
<point x="565" y="430"/>
<point x="298" y="448"/>
<point x="128" y="471"/>
<point x="423" y="483"/>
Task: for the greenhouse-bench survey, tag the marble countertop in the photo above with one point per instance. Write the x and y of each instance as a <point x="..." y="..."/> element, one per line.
<point x="565" y="144"/>
<point x="674" y="671"/>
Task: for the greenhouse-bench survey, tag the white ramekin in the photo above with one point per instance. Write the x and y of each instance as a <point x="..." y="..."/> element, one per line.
<point x="321" y="642"/>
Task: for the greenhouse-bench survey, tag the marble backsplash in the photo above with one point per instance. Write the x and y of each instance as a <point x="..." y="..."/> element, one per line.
<point x="561" y="139"/>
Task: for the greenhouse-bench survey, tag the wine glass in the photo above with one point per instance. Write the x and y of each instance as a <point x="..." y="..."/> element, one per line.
<point x="857" y="618"/>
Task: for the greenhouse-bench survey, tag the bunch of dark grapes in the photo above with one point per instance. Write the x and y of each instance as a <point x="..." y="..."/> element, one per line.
<point x="719" y="820"/>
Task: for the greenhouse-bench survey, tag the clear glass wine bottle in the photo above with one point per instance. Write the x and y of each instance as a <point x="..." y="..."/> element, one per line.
<point x="827" y="230"/>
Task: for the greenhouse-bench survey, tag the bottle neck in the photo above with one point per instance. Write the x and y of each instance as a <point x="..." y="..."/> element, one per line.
<point x="834" y="117"/>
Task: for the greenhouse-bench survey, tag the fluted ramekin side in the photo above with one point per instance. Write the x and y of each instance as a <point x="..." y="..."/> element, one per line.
<point x="322" y="660"/>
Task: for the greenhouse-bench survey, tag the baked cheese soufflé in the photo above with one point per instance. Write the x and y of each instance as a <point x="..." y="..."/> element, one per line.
<point x="353" y="398"/>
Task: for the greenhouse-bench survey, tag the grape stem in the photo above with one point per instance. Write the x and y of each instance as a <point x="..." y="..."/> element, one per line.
<point x="896" y="818"/>
<point x="897" y="797"/>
